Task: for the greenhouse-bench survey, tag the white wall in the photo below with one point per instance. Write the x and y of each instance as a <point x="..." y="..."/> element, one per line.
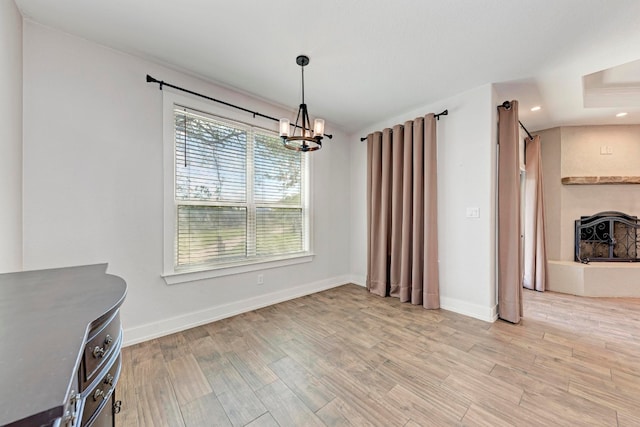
<point x="581" y="150"/>
<point x="466" y="178"/>
<point x="10" y="137"/>
<point x="93" y="185"/>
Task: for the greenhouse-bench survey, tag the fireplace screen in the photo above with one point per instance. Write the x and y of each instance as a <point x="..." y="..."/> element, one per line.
<point x="607" y="236"/>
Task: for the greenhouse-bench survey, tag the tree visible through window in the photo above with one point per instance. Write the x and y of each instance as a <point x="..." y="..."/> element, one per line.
<point x="239" y="194"/>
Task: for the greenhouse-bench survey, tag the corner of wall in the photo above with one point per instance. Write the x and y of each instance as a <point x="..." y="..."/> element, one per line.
<point x="488" y="314"/>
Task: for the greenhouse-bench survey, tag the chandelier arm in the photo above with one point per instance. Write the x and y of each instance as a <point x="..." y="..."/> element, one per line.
<point x="306" y="123"/>
<point x="297" y="118"/>
<point x="326" y="135"/>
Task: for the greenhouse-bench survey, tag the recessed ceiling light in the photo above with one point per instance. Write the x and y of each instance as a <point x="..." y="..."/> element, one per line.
<point x="621" y="114"/>
<point x="536" y="108"/>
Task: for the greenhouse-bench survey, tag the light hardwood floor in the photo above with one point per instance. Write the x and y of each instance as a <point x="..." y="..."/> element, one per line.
<point x="344" y="357"/>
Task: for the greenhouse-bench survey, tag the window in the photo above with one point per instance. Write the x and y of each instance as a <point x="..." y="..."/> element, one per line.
<point x="238" y="196"/>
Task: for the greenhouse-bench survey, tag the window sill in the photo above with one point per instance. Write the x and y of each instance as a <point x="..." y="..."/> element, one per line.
<point x="173" y="278"/>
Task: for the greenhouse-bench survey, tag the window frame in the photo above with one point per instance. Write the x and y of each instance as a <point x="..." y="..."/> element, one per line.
<point x="172" y="275"/>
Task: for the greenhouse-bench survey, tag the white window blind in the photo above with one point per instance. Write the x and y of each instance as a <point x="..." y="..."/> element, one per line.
<point x="239" y="194"/>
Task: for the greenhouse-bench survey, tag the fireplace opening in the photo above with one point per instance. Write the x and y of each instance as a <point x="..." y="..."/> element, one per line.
<point x="607" y="236"/>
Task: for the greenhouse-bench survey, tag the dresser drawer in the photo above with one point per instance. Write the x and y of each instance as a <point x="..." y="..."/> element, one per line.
<point x="105" y="416"/>
<point x="101" y="392"/>
<point x="104" y="340"/>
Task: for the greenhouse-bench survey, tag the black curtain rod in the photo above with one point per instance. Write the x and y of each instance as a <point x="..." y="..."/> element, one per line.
<point x="162" y="83"/>
<point x="525" y="129"/>
<point x="437" y="116"/>
<point x="507" y="106"/>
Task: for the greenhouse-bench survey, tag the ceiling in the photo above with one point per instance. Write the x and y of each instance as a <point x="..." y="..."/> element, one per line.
<point x="374" y="59"/>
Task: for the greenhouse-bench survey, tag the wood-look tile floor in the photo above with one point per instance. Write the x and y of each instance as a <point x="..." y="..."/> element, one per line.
<point x="344" y="357"/>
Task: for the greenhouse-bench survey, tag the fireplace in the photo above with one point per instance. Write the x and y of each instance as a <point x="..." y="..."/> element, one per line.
<point x="607" y="236"/>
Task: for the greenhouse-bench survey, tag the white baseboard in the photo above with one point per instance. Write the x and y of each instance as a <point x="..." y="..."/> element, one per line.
<point x="358" y="280"/>
<point x="451" y="304"/>
<point x="190" y="320"/>
<point x="488" y="314"/>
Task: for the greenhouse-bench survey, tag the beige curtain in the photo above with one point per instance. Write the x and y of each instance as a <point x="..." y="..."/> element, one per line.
<point x="509" y="231"/>
<point x="535" y="253"/>
<point x="402" y="249"/>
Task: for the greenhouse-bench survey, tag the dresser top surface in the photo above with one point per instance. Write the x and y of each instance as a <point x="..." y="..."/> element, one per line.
<point x="45" y="316"/>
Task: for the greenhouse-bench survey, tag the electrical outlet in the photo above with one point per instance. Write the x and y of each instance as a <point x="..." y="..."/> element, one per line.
<point x="260" y="279"/>
<point x="473" y="212"/>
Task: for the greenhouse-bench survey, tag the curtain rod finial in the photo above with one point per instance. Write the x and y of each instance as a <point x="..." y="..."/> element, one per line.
<point x="444" y="113"/>
<point x="152" y="80"/>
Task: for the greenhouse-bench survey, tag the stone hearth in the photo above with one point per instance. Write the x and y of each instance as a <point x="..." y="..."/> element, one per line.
<point x="603" y="279"/>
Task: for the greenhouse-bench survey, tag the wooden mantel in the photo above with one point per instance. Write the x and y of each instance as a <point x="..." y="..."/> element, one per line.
<point x="583" y="180"/>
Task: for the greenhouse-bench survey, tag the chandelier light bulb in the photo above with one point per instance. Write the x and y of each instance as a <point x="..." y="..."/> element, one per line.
<point x="318" y="127"/>
<point x="284" y="127"/>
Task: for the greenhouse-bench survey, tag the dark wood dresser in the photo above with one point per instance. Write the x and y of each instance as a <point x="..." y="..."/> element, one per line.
<point x="60" y="340"/>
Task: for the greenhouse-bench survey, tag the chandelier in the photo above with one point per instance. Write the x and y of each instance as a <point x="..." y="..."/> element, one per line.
<point x="308" y="139"/>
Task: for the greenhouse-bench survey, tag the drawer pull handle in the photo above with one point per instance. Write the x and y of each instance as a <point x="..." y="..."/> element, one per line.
<point x="75" y="399"/>
<point x="69" y="419"/>
<point x="108" y="379"/>
<point x="98" y="352"/>
<point x="97" y="394"/>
